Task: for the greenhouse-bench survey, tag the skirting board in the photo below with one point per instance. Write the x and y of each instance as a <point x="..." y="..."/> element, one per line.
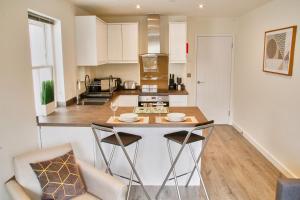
<point x="281" y="167"/>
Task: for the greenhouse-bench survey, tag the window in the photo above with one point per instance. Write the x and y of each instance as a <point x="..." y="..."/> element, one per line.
<point x="42" y="58"/>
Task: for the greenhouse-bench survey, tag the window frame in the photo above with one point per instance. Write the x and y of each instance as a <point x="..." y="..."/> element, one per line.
<point x="49" y="55"/>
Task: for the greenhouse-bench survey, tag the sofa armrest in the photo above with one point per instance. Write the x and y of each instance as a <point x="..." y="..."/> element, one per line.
<point x="15" y="190"/>
<point x="100" y="184"/>
<point x="288" y="189"/>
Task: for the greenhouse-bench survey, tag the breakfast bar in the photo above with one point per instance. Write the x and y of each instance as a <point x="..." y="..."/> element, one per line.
<point x="72" y="125"/>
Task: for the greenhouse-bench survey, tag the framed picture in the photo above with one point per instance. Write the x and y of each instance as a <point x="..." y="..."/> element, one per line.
<point x="279" y="50"/>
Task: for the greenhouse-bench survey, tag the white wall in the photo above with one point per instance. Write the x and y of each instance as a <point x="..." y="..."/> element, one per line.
<point x="18" y="132"/>
<point x="266" y="106"/>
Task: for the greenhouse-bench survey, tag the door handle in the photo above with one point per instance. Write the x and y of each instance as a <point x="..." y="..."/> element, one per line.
<point x="200" y="82"/>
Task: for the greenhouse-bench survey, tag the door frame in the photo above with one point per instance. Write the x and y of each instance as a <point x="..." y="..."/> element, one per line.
<point x="230" y="119"/>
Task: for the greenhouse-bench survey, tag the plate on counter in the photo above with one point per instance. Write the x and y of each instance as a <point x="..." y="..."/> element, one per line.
<point x="176" y="117"/>
<point x="129" y="117"/>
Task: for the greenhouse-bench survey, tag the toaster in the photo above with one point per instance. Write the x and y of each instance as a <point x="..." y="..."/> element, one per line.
<point x="129" y="85"/>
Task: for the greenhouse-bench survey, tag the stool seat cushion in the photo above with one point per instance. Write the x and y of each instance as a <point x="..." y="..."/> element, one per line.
<point x="126" y="138"/>
<point x="180" y="136"/>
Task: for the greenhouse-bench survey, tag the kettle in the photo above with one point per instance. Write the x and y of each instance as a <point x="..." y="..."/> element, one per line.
<point x="129" y="85"/>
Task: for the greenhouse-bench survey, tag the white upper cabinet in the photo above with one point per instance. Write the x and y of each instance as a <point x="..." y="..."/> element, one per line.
<point x="102" y="42"/>
<point x="177" y="42"/>
<point x="115" y="54"/>
<point x="123" y="43"/>
<point x="91" y="41"/>
<point x="130" y="42"/>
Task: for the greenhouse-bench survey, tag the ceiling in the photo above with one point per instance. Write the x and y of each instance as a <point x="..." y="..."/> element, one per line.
<point x="212" y="8"/>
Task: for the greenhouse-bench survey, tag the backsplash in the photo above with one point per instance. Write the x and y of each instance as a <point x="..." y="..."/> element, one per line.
<point x="123" y="71"/>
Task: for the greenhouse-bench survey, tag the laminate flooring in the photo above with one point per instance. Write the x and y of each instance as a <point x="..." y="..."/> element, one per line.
<point x="232" y="169"/>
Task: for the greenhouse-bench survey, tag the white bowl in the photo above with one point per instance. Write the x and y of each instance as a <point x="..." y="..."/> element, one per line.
<point x="176" y="117"/>
<point x="128" y="117"/>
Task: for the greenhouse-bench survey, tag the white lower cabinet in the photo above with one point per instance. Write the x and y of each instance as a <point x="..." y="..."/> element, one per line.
<point x="127" y="100"/>
<point x="81" y="138"/>
<point x="178" y="100"/>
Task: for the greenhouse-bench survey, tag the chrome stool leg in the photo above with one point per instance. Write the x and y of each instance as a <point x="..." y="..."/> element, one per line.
<point x="131" y="173"/>
<point x="196" y="161"/>
<point x="110" y="157"/>
<point x="186" y="138"/>
<point x="132" y="165"/>
<point x="102" y="152"/>
<point x="200" y="155"/>
<point x="116" y="140"/>
<point x="170" y="170"/>
<point x="174" y="171"/>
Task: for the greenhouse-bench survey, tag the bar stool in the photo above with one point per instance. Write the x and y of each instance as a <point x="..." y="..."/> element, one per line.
<point x="119" y="139"/>
<point x="187" y="138"/>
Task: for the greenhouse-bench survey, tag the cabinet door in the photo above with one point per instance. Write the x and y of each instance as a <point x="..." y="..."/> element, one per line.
<point x="114" y="32"/>
<point x="101" y="42"/>
<point x="178" y="100"/>
<point x="86" y="40"/>
<point x="130" y="42"/>
<point x="177" y="42"/>
<point x="127" y="100"/>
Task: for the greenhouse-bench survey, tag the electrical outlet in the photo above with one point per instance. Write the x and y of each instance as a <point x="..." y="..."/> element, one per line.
<point x="189" y="75"/>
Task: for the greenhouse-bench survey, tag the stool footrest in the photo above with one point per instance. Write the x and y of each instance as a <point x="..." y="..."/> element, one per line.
<point x="121" y="176"/>
<point x="178" y="176"/>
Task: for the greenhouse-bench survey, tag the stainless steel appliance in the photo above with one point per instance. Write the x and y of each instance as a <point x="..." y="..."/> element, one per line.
<point x="153" y="101"/>
<point x="154" y="64"/>
<point x="129" y="85"/>
<point x="100" y="90"/>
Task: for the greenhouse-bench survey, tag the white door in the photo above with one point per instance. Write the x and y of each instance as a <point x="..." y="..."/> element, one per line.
<point x="130" y="42"/>
<point x="114" y="32"/>
<point x="214" y="61"/>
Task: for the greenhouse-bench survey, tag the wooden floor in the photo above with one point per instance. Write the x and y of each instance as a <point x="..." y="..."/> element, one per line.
<point x="232" y="169"/>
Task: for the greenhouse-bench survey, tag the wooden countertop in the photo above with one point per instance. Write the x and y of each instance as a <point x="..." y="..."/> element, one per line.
<point x="84" y="116"/>
<point x="159" y="93"/>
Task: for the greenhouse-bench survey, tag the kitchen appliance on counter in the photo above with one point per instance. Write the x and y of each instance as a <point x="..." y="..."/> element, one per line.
<point x="172" y="84"/>
<point x="153" y="101"/>
<point x="178" y="85"/>
<point x="154" y="64"/>
<point x="100" y="90"/>
<point x="129" y="85"/>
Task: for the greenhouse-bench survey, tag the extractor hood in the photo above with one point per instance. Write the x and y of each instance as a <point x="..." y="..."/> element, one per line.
<point x="153" y="35"/>
<point x="154" y="64"/>
<point x="153" y="27"/>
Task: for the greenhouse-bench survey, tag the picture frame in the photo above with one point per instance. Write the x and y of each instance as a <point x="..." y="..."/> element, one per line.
<point x="279" y="49"/>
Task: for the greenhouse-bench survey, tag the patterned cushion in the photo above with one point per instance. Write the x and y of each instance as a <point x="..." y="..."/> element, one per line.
<point x="59" y="178"/>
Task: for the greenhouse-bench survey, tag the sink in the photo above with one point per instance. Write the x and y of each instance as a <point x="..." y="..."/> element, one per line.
<point x="94" y="101"/>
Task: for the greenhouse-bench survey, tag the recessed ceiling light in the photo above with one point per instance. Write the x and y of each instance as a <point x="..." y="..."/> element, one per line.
<point x="138" y="6"/>
<point x="201" y="6"/>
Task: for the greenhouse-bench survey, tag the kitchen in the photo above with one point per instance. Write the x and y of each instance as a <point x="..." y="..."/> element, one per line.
<point x="122" y="55"/>
<point x="124" y="83"/>
<point x="152" y="103"/>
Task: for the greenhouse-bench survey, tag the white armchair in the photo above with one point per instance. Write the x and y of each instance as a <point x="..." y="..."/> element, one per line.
<point x="25" y="185"/>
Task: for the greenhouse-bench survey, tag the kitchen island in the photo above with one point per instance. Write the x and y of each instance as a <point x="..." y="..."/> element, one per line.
<point x="72" y="125"/>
